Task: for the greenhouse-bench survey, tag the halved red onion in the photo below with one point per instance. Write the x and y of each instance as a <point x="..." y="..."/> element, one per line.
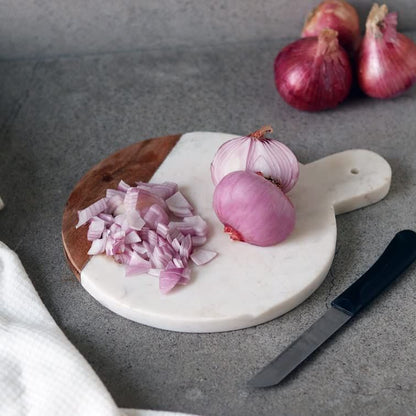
<point x="258" y="154"/>
<point x="139" y="227"/>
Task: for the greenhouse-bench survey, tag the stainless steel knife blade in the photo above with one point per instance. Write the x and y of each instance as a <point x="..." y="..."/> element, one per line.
<point x="397" y="257"/>
<point x="301" y="348"/>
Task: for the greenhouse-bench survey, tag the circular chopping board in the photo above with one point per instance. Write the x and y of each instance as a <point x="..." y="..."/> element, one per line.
<point x="244" y="285"/>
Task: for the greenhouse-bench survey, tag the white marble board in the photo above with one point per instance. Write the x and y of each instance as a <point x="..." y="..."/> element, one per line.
<point x="244" y="285"/>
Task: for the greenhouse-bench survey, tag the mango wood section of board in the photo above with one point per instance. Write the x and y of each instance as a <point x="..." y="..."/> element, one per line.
<point x="137" y="162"/>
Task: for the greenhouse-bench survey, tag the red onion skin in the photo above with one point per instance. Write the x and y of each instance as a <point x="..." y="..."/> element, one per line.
<point x="314" y="73"/>
<point x="337" y="15"/>
<point x="253" y="209"/>
<point x="258" y="154"/>
<point x="387" y="59"/>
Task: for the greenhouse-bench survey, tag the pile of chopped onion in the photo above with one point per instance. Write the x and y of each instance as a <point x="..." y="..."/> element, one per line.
<point x="150" y="228"/>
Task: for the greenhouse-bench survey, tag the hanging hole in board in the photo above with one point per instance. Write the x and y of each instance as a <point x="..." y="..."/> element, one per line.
<point x="354" y="171"/>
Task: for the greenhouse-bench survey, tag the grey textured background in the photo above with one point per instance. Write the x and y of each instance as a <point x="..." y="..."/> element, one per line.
<point x="80" y="80"/>
<point x="33" y="28"/>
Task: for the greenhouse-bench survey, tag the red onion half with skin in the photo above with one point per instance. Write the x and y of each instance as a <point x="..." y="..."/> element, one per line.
<point x="253" y="209"/>
<point x="338" y="15"/>
<point x="387" y="59"/>
<point x="258" y="154"/>
<point x="313" y="73"/>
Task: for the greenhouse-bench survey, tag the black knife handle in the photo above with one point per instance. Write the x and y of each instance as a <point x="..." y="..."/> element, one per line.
<point x="396" y="258"/>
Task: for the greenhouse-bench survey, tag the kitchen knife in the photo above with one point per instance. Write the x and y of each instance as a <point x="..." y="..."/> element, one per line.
<point x="399" y="254"/>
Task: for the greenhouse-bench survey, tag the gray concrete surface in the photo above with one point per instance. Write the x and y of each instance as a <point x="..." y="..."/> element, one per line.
<point x="33" y="28"/>
<point x="61" y="115"/>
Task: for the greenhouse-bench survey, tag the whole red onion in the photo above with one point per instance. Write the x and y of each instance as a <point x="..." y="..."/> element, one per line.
<point x="313" y="73"/>
<point x="337" y="15"/>
<point x="387" y="59"/>
<point x="253" y="209"/>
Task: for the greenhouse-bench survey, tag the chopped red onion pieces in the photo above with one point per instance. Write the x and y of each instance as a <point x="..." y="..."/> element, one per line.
<point x="154" y="272"/>
<point x="176" y="244"/>
<point x="202" y="256"/>
<point x="130" y="198"/>
<point x="199" y="225"/>
<point x="156" y="215"/>
<point x="162" y="230"/>
<point x="136" y="269"/>
<point x="163" y="190"/>
<point x="108" y="218"/>
<point x="88" y="213"/>
<point x="114" y="203"/>
<point x="132" y="237"/>
<point x="123" y="186"/>
<point x="186" y="246"/>
<point x="139" y="227"/>
<point x="178" y="262"/>
<point x="179" y="205"/>
<point x="147" y="199"/>
<point x="98" y="246"/>
<point x="96" y="229"/>
<point x="138" y="248"/>
<point x="114" y="192"/>
<point x="198" y="240"/>
<point x="169" y="278"/>
<point x="134" y="220"/>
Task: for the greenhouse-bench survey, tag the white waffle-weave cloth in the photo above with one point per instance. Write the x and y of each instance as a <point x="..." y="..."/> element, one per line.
<point x="41" y="372"/>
